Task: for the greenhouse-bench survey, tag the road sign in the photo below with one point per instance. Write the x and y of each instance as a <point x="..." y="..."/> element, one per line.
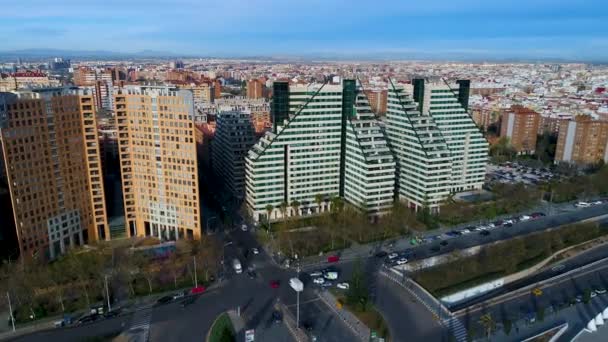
<point x="296" y="284"/>
<point x="250" y="335"/>
<point x="373" y="334"/>
<point x="537" y="292"/>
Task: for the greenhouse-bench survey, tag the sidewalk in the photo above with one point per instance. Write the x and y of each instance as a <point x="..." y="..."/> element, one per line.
<point x="359" y="329"/>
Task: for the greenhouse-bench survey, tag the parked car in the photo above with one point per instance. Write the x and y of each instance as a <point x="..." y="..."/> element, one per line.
<point x="87" y="319"/>
<point x="484" y="233"/>
<point x="315" y="274"/>
<point x="330" y="275"/>
<point x="277" y="317"/>
<point x="381" y="254"/>
<point x="197" y="290"/>
<point x="392" y="256"/>
<point x="343" y="286"/>
<point x="178" y="295"/>
<point x="333" y="258"/>
<point x="401" y="261"/>
<point x="582" y="205"/>
<point x="187" y="301"/>
<point x="318" y="281"/>
<point x="164" y="299"/>
<point x="244" y="227"/>
<point x="251" y="274"/>
<point x="524" y="218"/>
<point x="255" y="251"/>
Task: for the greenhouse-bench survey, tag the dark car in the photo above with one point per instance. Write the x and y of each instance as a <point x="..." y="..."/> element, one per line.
<point x="484" y="233"/>
<point x="435" y="249"/>
<point x="87" y="319"/>
<point x="381" y="254"/>
<point x="251" y="274"/>
<point x="111" y="314"/>
<point x="187" y="301"/>
<point x="164" y="300"/>
<point x="277" y="317"/>
<point x="308" y="326"/>
<point x="443" y="243"/>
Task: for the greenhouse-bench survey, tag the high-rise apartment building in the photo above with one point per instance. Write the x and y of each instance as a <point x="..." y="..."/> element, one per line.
<point x="448" y="106"/>
<point x="325" y="143"/>
<point x="255" y="89"/>
<point x="377" y="100"/>
<point x="520" y="125"/>
<point x="234" y="136"/>
<point x="157" y="148"/>
<point x="424" y="160"/>
<point x="582" y="141"/>
<point x="53" y="166"/>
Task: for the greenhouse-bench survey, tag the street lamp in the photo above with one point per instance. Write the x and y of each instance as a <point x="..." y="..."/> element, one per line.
<point x="297" y="285"/>
<point x="107" y="292"/>
<point x="10" y="307"/>
<point x="195" y="276"/>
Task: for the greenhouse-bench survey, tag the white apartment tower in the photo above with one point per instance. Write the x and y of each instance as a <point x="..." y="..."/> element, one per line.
<point x="420" y="150"/>
<point x="325" y="143"/>
<point x="448" y="106"/>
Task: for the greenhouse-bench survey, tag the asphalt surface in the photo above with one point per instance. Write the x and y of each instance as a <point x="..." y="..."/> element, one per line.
<point x="557" y="301"/>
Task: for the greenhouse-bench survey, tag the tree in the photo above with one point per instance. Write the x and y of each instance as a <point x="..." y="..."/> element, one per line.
<point x="295" y="206"/>
<point x="283" y="206"/>
<point x="358" y="295"/>
<point x="488" y="323"/>
<point x="269" y="209"/>
<point x="318" y="201"/>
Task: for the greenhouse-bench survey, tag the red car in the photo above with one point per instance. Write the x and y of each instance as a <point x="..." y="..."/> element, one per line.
<point x="197" y="290"/>
<point x="333" y="258"/>
<point x="275" y="284"/>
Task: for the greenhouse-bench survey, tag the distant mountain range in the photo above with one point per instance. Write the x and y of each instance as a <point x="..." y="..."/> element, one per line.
<point x="45" y="54"/>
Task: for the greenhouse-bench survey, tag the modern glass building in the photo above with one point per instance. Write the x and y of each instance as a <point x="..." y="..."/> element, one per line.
<point x="325" y="143"/>
<point x="448" y="106"/>
<point x="420" y="150"/>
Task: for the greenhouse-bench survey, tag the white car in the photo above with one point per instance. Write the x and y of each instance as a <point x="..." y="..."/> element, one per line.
<point x="392" y="256"/>
<point x="508" y="222"/>
<point x="343" y="286"/>
<point x="597" y="202"/>
<point x="582" y="205"/>
<point x="244" y="227"/>
<point x="401" y="261"/>
<point x="255" y="251"/>
<point x="480" y="228"/>
<point x="331" y="275"/>
<point x="316" y="274"/>
<point x="465" y="231"/>
<point x="524" y="218"/>
<point x="318" y="281"/>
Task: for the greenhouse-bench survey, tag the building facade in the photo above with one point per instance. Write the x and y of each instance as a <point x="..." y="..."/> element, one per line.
<point x="157" y="148"/>
<point x="53" y="166"/>
<point x="582" y="141"/>
<point x="325" y="143"/>
<point x="255" y="89"/>
<point x="520" y="125"/>
<point x="234" y="136"/>
<point x="448" y="106"/>
<point x="423" y="158"/>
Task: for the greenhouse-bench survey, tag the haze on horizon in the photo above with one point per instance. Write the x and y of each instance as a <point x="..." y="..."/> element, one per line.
<point x="573" y="30"/>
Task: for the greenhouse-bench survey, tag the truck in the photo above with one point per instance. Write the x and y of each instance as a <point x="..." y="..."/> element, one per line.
<point x="236" y="264"/>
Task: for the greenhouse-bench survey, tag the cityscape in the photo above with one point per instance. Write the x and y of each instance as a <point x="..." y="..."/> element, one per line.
<point x="351" y="179"/>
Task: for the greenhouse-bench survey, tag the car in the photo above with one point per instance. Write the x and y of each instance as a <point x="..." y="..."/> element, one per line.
<point x="392" y="256"/>
<point x="490" y="225"/>
<point x="600" y="290"/>
<point x="111" y="314"/>
<point x="343" y="286"/>
<point x="251" y="274"/>
<point x="330" y="275"/>
<point x="508" y="222"/>
<point x="318" y="281"/>
<point x="178" y="295"/>
<point x="255" y="251"/>
<point x="327" y="284"/>
<point x="381" y="254"/>
<point x="187" y="301"/>
<point x="244" y="227"/>
<point x="401" y="261"/>
<point x="435" y="249"/>
<point x="443" y="243"/>
<point x="308" y="325"/>
<point x="480" y="228"/>
<point x="277" y="317"/>
<point x="465" y="231"/>
<point x="582" y="205"/>
<point x="275" y="284"/>
<point x="87" y="319"/>
<point x="524" y="218"/>
<point x="164" y="299"/>
<point x="593" y="294"/>
<point x="578" y="298"/>
<point x="484" y="233"/>
<point x="316" y="274"/>
<point x="498" y="223"/>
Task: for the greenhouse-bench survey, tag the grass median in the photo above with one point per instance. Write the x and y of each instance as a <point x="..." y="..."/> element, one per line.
<point x="222" y="330"/>
<point x="503" y="258"/>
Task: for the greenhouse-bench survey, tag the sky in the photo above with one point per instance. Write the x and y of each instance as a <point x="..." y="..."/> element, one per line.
<point x="445" y="29"/>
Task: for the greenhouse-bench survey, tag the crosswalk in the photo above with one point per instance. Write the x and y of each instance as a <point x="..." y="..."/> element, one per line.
<point x="140" y="324"/>
<point x="456" y="328"/>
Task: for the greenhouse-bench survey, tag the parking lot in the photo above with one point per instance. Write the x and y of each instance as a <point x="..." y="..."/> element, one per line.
<point x="512" y="173"/>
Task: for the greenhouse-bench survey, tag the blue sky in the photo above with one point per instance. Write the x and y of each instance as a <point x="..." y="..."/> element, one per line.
<point x="575" y="29"/>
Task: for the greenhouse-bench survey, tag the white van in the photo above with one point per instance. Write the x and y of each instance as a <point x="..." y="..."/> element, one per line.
<point x="236" y="264"/>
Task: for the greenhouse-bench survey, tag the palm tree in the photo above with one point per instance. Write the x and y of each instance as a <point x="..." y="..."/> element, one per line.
<point x="318" y="200"/>
<point x="283" y="208"/>
<point x="295" y="206"/>
<point x="269" y="209"/>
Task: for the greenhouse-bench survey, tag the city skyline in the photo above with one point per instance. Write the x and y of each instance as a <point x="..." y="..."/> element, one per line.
<point x="430" y="30"/>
